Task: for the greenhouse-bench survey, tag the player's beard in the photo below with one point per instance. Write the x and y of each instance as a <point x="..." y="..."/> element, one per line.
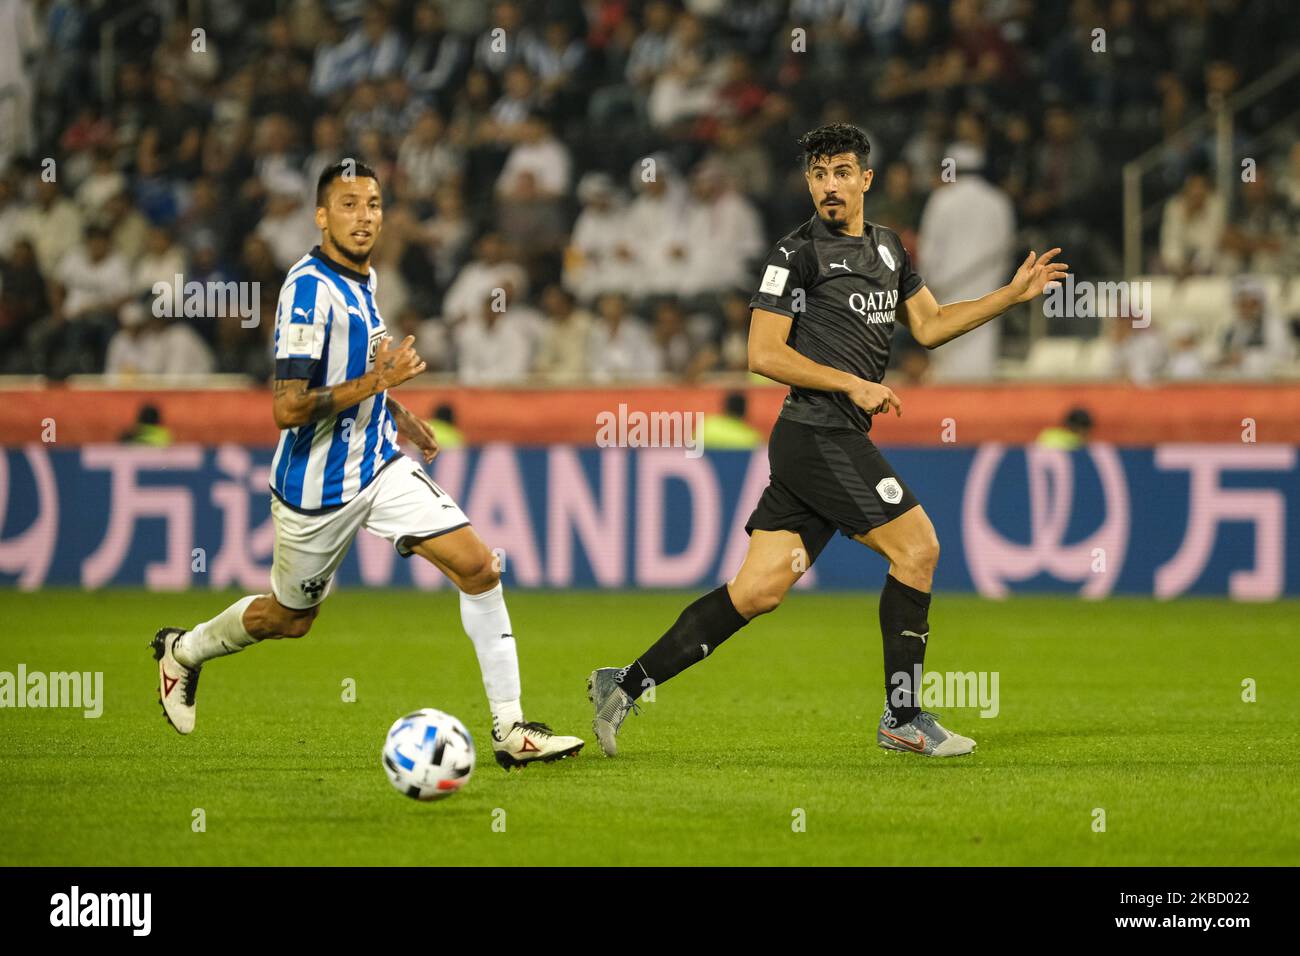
<point x="353" y="256"/>
<point x="835" y="218"/>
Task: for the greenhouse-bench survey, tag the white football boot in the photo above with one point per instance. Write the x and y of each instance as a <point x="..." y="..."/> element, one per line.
<point x="177" y="683"/>
<point x="531" y="742"/>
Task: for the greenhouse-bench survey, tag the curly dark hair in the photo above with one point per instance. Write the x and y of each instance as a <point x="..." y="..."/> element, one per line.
<point x="827" y="141"/>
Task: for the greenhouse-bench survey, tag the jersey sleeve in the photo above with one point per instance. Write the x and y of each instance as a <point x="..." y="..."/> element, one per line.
<point x="908" y="280"/>
<point x="301" y="322"/>
<point x="791" y="266"/>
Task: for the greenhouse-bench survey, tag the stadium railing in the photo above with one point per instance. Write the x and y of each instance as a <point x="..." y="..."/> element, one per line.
<point x="1219" y="123"/>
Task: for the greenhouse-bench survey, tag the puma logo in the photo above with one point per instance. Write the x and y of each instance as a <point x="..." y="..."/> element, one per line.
<point x="787" y="253"/>
<point x="914" y="634"/>
<point x="844" y="264"/>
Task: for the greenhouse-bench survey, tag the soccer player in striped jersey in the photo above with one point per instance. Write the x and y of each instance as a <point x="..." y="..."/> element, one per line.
<point x="338" y="469"/>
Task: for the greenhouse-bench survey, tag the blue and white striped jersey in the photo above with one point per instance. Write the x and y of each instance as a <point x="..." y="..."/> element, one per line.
<point x="327" y="330"/>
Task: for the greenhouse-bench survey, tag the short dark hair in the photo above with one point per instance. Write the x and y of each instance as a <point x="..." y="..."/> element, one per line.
<point x="831" y="140"/>
<point x="349" y="167"/>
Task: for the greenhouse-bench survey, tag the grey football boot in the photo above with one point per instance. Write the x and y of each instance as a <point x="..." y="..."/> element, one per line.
<point x="612" y="706"/>
<point x="924" y="735"/>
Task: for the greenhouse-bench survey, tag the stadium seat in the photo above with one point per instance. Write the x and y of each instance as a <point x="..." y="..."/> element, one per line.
<point x="1053" y="357"/>
<point x="1207" y="300"/>
<point x="1161" y="301"/>
<point x="1290" y="299"/>
<point x="1095" y="359"/>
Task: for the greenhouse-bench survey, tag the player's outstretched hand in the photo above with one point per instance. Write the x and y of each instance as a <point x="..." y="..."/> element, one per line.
<point x="1036" y="273"/>
<point x="398" y="365"/>
<point x="421" y="435"/>
<point x="874" y="398"/>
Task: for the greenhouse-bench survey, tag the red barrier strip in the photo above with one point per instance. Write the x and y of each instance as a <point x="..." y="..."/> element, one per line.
<point x="1004" y="413"/>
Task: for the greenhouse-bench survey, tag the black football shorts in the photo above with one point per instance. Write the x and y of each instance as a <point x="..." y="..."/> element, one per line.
<point x="824" y="480"/>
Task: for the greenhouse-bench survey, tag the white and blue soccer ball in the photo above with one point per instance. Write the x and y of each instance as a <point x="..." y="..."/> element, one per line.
<point x="428" y="755"/>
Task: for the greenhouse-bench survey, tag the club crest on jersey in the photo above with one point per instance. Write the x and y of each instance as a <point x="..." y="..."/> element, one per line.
<point x="312" y="587"/>
<point x="886" y="256"/>
<point x="890" y="491"/>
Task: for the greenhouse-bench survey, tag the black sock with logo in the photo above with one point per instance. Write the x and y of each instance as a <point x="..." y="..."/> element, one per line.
<point x="905" y="628"/>
<point x="695" y="634"/>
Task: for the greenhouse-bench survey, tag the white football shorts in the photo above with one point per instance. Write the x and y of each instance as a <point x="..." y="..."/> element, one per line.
<point x="402" y="504"/>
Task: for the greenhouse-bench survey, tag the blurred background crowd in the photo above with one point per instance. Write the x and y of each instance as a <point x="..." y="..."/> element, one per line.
<point x="619" y="169"/>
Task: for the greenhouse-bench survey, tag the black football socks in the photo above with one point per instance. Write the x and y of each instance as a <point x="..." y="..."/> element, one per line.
<point x="695" y="634"/>
<point x="905" y="627"/>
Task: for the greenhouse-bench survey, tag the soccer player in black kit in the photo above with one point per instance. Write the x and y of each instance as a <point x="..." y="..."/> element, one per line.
<point x="823" y="318"/>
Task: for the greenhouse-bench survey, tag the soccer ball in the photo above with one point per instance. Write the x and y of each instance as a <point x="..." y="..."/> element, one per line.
<point x="428" y="755"/>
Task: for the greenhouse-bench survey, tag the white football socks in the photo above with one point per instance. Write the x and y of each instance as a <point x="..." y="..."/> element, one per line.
<point x="222" y="635"/>
<point x="487" y="622"/>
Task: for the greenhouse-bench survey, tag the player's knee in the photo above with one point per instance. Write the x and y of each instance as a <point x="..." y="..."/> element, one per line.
<point x="930" y="552"/>
<point x="760" y="597"/>
<point x="767" y="600"/>
<point x="482" y="576"/>
<point x="921" y="555"/>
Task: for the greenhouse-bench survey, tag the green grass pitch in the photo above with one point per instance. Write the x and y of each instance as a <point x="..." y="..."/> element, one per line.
<point x="1131" y="706"/>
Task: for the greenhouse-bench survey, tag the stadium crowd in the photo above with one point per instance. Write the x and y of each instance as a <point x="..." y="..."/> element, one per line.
<point x="582" y="190"/>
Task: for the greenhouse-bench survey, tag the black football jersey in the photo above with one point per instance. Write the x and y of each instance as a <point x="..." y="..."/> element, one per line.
<point x="843" y="294"/>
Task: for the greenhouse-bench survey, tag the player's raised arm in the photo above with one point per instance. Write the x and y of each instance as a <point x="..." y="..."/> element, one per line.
<point x="771" y="355"/>
<point x="294" y="403"/>
<point x="933" y="324"/>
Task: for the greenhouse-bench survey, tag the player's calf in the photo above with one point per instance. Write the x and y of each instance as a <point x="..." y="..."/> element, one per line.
<point x="267" y="619"/>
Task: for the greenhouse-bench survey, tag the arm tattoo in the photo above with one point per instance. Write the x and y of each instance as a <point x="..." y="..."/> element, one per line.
<point x="322" y="403"/>
<point x="319" y="402"/>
